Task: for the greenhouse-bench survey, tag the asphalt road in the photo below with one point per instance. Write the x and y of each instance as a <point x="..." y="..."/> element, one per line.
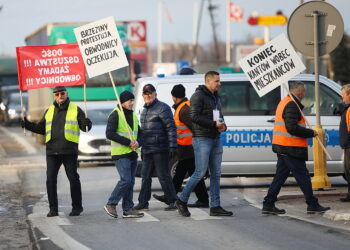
<point x="160" y="229"/>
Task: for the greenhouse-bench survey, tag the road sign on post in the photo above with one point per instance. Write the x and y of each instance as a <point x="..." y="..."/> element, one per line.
<point x="315" y="29"/>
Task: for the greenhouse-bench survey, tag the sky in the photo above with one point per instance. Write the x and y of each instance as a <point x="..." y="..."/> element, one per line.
<point x="19" y="18"/>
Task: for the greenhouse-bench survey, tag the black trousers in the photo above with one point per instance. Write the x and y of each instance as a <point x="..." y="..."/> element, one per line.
<point x="285" y="165"/>
<point x="188" y="166"/>
<point x="347" y="167"/>
<point x="70" y="164"/>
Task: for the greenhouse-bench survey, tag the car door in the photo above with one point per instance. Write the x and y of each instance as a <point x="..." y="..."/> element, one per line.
<point x="250" y="120"/>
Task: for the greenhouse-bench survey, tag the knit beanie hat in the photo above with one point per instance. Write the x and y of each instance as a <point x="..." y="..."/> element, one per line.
<point x="178" y="91"/>
<point x="126" y="96"/>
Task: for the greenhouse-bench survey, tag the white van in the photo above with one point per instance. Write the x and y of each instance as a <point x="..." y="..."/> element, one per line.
<point x="250" y="119"/>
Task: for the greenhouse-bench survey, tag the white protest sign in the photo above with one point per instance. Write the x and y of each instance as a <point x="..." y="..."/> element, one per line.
<point x="101" y="47"/>
<point x="271" y="65"/>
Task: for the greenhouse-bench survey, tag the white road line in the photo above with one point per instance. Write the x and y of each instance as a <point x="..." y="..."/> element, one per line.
<point x="50" y="227"/>
<point x="146" y="218"/>
<point x="199" y="214"/>
<point x="27" y="146"/>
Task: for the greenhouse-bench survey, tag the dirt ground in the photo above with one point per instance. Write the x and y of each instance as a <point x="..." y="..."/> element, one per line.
<point x="13" y="226"/>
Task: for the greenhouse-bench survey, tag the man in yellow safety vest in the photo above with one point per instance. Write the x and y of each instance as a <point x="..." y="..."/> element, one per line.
<point x="124" y="151"/>
<point x="61" y="125"/>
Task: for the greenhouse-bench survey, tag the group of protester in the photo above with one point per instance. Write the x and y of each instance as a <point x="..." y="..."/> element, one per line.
<point x="191" y="135"/>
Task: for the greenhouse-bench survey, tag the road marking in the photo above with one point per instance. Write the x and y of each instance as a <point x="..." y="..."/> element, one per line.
<point x="26" y="145"/>
<point x="50" y="227"/>
<point x="146" y="218"/>
<point x="199" y="214"/>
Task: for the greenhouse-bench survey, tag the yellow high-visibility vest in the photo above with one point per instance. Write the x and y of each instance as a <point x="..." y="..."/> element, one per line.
<point x="71" y="127"/>
<point x="122" y="129"/>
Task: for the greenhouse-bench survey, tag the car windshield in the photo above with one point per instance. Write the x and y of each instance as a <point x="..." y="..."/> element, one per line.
<point x="99" y="116"/>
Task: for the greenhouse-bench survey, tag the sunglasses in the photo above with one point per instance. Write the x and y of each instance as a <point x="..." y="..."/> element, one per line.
<point x="60" y="93"/>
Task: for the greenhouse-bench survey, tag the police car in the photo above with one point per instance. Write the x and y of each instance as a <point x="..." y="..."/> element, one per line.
<point x="250" y="119"/>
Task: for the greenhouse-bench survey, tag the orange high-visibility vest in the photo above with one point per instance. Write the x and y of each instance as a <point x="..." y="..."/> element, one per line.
<point x="184" y="134"/>
<point x="348" y="119"/>
<point x="280" y="133"/>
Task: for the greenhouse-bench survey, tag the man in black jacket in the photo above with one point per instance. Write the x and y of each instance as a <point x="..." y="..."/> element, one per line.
<point x="207" y="124"/>
<point x="185" y="154"/>
<point x="61" y="124"/>
<point x="290" y="144"/>
<point x="344" y="136"/>
<point x="159" y="144"/>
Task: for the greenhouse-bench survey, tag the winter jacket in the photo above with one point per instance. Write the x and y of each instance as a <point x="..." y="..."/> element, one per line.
<point x="344" y="138"/>
<point x="58" y="145"/>
<point x="158" y="128"/>
<point x="203" y="102"/>
<point x="112" y="135"/>
<point x="291" y="116"/>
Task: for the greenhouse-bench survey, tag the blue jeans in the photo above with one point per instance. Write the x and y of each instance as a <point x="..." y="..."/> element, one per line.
<point x="208" y="154"/>
<point x="159" y="161"/>
<point x="285" y="165"/>
<point x="124" y="189"/>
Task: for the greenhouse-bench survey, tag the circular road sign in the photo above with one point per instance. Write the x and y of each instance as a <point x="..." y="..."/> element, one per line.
<point x="301" y="27"/>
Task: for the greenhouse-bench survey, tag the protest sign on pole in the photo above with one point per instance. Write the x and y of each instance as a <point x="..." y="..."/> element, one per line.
<point x="271" y="65"/>
<point x="101" y="47"/>
<point x="49" y="66"/>
<point x="102" y="50"/>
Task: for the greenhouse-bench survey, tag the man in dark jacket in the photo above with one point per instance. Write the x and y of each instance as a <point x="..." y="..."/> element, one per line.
<point x="207" y="124"/>
<point x="159" y="144"/>
<point x="61" y="124"/>
<point x="344" y="136"/>
<point x="124" y="151"/>
<point x="185" y="154"/>
<point x="290" y="143"/>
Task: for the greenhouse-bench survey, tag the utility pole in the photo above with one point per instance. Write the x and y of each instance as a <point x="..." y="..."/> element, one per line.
<point x="211" y="8"/>
<point x="195" y="46"/>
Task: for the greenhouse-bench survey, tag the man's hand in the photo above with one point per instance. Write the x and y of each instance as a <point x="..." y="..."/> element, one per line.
<point x="134" y="144"/>
<point x="86" y="122"/>
<point x="220" y="126"/>
<point x="315" y="133"/>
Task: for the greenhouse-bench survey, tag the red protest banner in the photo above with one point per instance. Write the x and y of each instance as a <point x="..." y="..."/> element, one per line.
<point x="48" y="66"/>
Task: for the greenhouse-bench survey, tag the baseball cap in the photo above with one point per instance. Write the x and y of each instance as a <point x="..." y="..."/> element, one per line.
<point x="148" y="88"/>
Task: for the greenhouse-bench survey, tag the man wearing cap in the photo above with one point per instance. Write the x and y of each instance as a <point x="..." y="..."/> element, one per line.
<point x="185" y="154"/>
<point x="61" y="125"/>
<point x="124" y="152"/>
<point x="159" y="145"/>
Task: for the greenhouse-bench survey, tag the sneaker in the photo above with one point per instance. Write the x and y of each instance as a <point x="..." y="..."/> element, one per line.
<point x="272" y="210"/>
<point x="111" y="210"/>
<point x="199" y="203"/>
<point x="219" y="211"/>
<point x="317" y="210"/>
<point x="345" y="199"/>
<point x="76" y="211"/>
<point x="132" y="213"/>
<point x="161" y="198"/>
<point x="182" y="208"/>
<point x="171" y="207"/>
<point x="52" y="213"/>
<point x="142" y="207"/>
